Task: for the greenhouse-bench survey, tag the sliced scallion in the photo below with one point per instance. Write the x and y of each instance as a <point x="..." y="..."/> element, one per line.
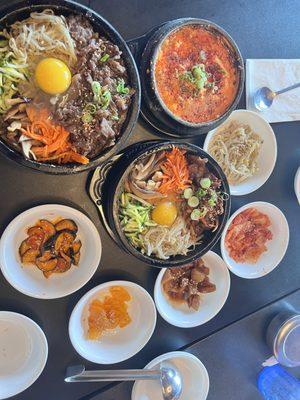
<point x="193" y="201"/>
<point x="188" y="192"/>
<point x="104" y="58"/>
<point x="205" y="183"/>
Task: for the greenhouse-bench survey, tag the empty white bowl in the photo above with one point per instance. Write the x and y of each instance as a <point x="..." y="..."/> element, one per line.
<point x="276" y="247"/>
<point x="23" y="353"/>
<point x="267" y="155"/>
<point x="123" y="343"/>
<point x="29" y="279"/>
<point x="210" y="304"/>
<point x="195" y="379"/>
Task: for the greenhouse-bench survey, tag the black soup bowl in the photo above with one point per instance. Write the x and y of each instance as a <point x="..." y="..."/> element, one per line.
<point x="20" y="10"/>
<point x="113" y="185"/>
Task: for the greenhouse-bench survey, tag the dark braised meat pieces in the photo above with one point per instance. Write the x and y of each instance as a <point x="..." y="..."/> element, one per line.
<point x="185" y="284"/>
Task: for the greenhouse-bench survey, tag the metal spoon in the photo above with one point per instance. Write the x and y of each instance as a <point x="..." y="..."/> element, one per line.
<point x="170" y="379"/>
<point x="263" y="97"/>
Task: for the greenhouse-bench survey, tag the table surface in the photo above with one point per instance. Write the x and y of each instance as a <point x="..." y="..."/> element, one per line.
<point x="265" y="29"/>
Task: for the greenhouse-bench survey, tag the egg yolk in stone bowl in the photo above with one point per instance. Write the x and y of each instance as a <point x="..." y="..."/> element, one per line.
<point x="164" y="213"/>
<point x="53" y="76"/>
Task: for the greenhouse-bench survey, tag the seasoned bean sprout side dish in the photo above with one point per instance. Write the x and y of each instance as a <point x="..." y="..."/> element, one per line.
<point x="236" y="148"/>
<point x="169" y="200"/>
<point x="64" y="92"/>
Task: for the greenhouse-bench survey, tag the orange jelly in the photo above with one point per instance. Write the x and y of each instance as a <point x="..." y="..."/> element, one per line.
<point x="109" y="313"/>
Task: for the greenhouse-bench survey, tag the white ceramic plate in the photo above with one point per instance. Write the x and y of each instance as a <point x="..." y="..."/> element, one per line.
<point x="276" y="247"/>
<point x="267" y="155"/>
<point x="23" y="353"/>
<point x="29" y="279"/>
<point x="211" y="303"/>
<point x="123" y="343"/>
<point x="297" y="185"/>
<point x="193" y="373"/>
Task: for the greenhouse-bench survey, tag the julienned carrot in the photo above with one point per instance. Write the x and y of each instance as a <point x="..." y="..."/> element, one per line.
<point x="54" y="139"/>
<point x="176" y="173"/>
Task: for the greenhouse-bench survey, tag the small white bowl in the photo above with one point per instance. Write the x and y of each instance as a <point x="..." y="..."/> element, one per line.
<point x="210" y="304"/>
<point x="23" y="355"/>
<point x="123" y="343"/>
<point x="267" y="155"/>
<point x="29" y="279"/>
<point x="276" y="247"/>
<point x="195" y="379"/>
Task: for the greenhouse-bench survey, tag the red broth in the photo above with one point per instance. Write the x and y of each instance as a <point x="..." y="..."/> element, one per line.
<point x="195" y="74"/>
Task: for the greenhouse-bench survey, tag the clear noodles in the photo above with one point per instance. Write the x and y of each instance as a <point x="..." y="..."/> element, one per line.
<point x="165" y="242"/>
<point x="42" y="33"/>
<point x="236" y="148"/>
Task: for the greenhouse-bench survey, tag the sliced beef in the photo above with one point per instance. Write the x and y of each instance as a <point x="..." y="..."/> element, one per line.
<point x="91" y="138"/>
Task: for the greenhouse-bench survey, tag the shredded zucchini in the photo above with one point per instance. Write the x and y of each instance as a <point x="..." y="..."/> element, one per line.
<point x="12" y="72"/>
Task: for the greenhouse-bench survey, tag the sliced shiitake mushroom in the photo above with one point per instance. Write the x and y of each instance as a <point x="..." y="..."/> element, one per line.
<point x="76" y="247"/>
<point x="24" y="246"/>
<point x="47" y="227"/>
<point x="64" y="241"/>
<point x="76" y="258"/>
<point x="30" y="256"/>
<point x="46" y="265"/>
<point x="62" y="265"/>
<point x="66" y="224"/>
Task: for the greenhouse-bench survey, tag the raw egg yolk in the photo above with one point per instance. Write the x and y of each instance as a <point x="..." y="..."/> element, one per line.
<point x="164" y="213"/>
<point x="52" y="76"/>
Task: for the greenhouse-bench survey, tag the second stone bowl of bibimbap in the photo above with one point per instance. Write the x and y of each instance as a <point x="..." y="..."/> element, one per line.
<point x="167" y="202"/>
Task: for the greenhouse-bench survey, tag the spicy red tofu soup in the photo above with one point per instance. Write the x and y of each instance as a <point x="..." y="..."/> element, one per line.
<point x="196" y="74"/>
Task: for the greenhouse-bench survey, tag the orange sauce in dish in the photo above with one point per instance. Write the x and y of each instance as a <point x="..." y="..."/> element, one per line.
<point x="195" y="74"/>
<point x="109" y="313"/>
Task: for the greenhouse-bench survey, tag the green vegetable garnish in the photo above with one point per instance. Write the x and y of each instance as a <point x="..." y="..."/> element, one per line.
<point x="211" y="202"/>
<point x="205" y="183"/>
<point x="193" y="201"/>
<point x="121" y="87"/>
<point x="102" y="98"/>
<point x="197" y="76"/>
<point x="96" y="88"/>
<point x="188" y="193"/>
<point x="187" y="76"/>
<point x="104" y="58"/>
<point x="195" y="215"/>
<point x="197" y="72"/>
<point x="201" y="193"/>
<point x="135" y="217"/>
<point x="115" y="117"/>
<point x="87" y="118"/>
<point x="105" y="99"/>
<point x="13" y="70"/>
<point x="90" y="108"/>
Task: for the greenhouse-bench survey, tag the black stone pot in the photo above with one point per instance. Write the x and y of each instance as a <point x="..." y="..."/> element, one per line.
<point x="154" y="108"/>
<point x="107" y="184"/>
<point x="19" y="10"/>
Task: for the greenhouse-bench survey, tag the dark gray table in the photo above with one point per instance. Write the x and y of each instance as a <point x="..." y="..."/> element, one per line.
<point x="267" y="29"/>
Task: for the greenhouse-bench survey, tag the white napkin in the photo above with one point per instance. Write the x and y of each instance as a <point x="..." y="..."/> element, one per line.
<point x="275" y="74"/>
